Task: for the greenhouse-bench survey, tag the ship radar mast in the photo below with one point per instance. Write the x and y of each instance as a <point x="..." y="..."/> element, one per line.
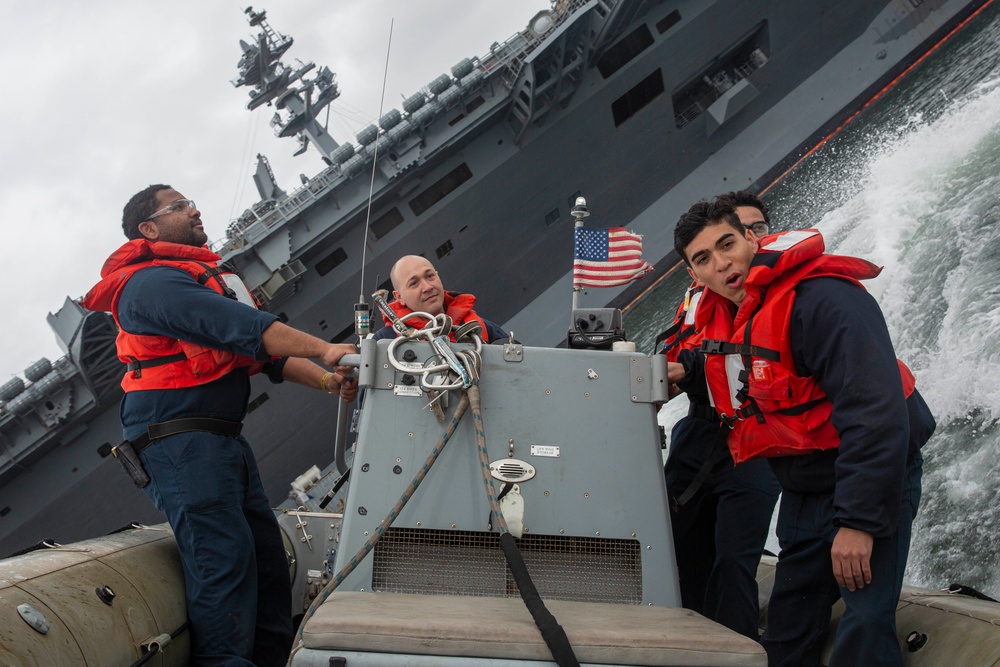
<point x="271" y="81"/>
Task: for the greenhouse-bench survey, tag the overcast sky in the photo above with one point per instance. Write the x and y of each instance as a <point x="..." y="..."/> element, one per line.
<point x="105" y="97"/>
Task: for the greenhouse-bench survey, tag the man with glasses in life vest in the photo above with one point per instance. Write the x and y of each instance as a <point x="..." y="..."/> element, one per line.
<point x="799" y="363"/>
<point x="417" y="288"/>
<point x="720" y="515"/>
<point x="191" y="336"/>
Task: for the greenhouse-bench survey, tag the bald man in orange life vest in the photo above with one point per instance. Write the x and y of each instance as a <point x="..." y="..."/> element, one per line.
<point x="417" y="287"/>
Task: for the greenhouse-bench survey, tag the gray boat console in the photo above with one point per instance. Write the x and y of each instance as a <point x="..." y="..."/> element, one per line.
<point x="574" y="453"/>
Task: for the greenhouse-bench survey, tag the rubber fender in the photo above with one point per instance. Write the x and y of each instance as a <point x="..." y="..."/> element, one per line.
<point x="141" y="567"/>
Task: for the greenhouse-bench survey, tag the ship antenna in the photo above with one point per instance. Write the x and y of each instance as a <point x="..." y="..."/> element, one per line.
<point x="362" y="320"/>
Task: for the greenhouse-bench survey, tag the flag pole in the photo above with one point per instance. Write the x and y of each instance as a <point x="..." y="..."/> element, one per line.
<point x="579" y="213"/>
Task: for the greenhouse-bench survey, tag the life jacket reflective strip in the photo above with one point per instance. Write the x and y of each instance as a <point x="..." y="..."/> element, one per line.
<point x="751" y="375"/>
<point x="456" y="306"/>
<point x="162" y="362"/>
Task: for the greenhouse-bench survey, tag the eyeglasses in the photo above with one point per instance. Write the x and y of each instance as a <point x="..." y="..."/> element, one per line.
<point x="177" y="206"/>
<point x="758" y="228"/>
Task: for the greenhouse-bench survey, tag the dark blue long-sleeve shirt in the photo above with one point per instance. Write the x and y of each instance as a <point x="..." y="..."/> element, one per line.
<point x="838" y="336"/>
<point x="166" y="301"/>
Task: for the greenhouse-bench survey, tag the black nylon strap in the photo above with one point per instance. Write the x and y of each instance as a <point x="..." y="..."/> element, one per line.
<point x="719" y="450"/>
<point x="208" y="273"/>
<point x="804" y="407"/>
<point x="665" y="334"/>
<point x="174" y="426"/>
<point x="724" y="347"/>
<point x="214" y="272"/>
<point x="135" y="366"/>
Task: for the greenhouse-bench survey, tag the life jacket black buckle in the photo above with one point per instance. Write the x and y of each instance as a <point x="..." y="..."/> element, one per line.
<point x="730" y="422"/>
<point x="709" y="346"/>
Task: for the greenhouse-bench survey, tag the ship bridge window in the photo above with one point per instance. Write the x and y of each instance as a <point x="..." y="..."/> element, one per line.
<point x="441" y="189"/>
<point x="624" y="51"/>
<point x="637" y="97"/>
<point x="387" y="222"/>
<point x="668" y="21"/>
<point x="731" y="66"/>
<point x="5" y="511"/>
<point x="331" y="261"/>
<point x="552" y="216"/>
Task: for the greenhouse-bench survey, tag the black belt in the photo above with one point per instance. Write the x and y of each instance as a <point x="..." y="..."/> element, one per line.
<point x="175" y="426"/>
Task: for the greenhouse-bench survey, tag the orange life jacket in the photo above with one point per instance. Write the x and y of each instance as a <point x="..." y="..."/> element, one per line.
<point x="748" y="358"/>
<point x="456" y="306"/>
<point x="162" y="362"/>
<point x="684" y="334"/>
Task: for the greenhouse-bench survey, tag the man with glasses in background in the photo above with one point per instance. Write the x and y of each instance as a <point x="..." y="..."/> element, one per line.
<point x="720" y="514"/>
<point x="191" y="335"/>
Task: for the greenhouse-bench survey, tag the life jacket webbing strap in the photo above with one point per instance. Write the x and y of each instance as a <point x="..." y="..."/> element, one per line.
<point x="208" y="273"/>
<point x="214" y="272"/>
<point x="136" y="365"/>
<point x="724" y="347"/>
<point x="799" y="409"/>
<point x="740" y="414"/>
<point x="665" y="334"/>
<point x="718" y="452"/>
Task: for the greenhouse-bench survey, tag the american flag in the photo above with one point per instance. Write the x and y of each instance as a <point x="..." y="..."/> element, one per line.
<point x="607" y="257"/>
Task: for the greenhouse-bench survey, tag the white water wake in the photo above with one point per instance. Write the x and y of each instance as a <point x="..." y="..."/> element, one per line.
<point x="927" y="207"/>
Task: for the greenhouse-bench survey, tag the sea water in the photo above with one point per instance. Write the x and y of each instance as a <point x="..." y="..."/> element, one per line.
<point x="913" y="184"/>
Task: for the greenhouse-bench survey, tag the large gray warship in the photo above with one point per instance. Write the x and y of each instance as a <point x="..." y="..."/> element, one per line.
<point x="640" y="105"/>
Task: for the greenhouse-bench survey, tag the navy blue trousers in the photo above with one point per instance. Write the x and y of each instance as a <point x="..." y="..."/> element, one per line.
<point x="798" y="616"/>
<point x="719" y="534"/>
<point x="235" y="569"/>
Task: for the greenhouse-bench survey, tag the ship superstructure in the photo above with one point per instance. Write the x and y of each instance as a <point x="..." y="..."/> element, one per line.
<point x="641" y="106"/>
